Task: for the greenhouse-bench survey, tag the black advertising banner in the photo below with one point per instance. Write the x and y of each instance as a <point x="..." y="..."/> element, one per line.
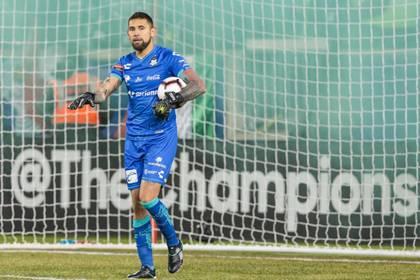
<point x="239" y="191"/>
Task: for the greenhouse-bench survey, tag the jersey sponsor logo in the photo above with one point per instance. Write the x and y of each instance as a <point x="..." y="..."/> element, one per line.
<point x="118" y="67"/>
<point x="159" y="159"/>
<point x="142" y="93"/>
<point x="161" y="174"/>
<point x="153" y="61"/>
<point x="131" y="176"/>
<point x="153" y="77"/>
<point x="127" y="66"/>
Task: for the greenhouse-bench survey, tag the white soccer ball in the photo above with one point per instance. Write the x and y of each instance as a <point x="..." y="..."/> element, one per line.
<point x="174" y="84"/>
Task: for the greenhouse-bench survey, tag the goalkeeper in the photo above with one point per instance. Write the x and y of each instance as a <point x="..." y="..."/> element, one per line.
<point x="151" y="132"/>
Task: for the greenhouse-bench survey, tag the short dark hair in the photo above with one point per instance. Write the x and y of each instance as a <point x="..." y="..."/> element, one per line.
<point x="142" y="15"/>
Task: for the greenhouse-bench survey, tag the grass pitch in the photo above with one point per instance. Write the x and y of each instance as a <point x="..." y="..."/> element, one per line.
<point x="116" y="264"/>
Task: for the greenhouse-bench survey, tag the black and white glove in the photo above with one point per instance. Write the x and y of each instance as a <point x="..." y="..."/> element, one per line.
<point x="82" y="100"/>
<point x="175" y="99"/>
<point x="172" y="100"/>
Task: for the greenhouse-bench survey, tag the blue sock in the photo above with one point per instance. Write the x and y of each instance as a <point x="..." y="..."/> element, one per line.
<point x="143" y="235"/>
<point x="160" y="214"/>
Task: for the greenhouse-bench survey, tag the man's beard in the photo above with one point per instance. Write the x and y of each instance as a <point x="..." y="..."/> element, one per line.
<point x="142" y="46"/>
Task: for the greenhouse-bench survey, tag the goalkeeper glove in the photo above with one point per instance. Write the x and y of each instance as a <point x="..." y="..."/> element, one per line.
<point x="162" y="109"/>
<point x="82" y="100"/>
<point x="175" y="99"/>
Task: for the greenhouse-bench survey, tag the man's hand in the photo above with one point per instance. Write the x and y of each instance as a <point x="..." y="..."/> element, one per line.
<point x="175" y="99"/>
<point x="162" y="109"/>
<point x="82" y="100"/>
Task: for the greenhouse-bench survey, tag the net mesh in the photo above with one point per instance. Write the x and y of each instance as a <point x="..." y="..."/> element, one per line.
<point x="308" y="133"/>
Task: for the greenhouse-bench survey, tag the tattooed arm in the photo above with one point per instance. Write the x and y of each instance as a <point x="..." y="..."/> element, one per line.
<point x="108" y="86"/>
<point x="195" y="86"/>
<point x="100" y="95"/>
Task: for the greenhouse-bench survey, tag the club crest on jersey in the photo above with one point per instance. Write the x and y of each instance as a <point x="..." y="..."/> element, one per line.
<point x="127" y="78"/>
<point x="153" y="61"/>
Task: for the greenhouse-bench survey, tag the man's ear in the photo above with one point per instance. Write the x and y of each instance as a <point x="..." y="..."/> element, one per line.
<point x="153" y="32"/>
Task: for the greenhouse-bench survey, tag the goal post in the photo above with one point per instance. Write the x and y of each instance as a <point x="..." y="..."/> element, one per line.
<point x="306" y="139"/>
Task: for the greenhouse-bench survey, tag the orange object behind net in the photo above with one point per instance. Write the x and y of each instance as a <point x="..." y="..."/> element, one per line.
<point x="68" y="90"/>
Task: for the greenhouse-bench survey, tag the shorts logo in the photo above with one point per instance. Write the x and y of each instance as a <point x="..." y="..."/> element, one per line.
<point x="131" y="176"/>
<point x="147" y="171"/>
<point x="158" y="163"/>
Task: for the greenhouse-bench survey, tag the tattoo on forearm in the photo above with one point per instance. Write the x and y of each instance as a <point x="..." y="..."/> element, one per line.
<point x="105" y="89"/>
<point x="191" y="91"/>
<point x="106" y="81"/>
<point x="184" y="77"/>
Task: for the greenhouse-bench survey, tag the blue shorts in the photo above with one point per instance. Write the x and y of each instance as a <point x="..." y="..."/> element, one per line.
<point x="149" y="158"/>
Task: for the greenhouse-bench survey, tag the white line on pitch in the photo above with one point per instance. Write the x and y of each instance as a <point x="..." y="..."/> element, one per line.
<point x="336" y="260"/>
<point x="317" y="260"/>
<point x="35" y="278"/>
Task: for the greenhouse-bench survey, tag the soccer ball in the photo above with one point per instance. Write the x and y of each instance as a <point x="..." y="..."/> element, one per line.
<point x="174" y="84"/>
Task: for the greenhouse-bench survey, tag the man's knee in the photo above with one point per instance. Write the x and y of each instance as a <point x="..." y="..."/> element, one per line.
<point x="146" y="197"/>
<point x="149" y="191"/>
<point x="138" y="209"/>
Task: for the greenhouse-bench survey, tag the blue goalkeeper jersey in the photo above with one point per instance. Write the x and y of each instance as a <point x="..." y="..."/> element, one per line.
<point x="143" y="77"/>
